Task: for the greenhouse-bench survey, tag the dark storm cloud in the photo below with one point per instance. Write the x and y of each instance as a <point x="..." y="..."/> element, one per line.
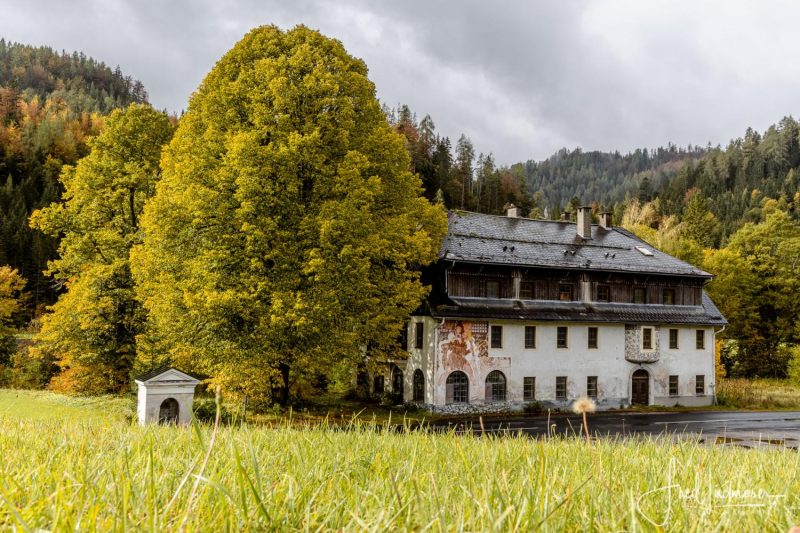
<point x="521" y="79"/>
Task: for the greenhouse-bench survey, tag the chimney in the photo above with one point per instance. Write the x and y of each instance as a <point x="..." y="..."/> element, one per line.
<point x="512" y="211"/>
<point x="605" y="220"/>
<point x="565" y="216"/>
<point x="585" y="222"/>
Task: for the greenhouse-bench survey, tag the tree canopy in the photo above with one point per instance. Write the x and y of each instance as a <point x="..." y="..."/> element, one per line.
<point x="50" y="104"/>
<point x="11" y="301"/>
<point x="92" y="329"/>
<point x="284" y="234"/>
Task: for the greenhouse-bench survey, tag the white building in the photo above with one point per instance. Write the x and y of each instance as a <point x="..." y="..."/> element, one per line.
<point x="528" y="310"/>
<point x="165" y="396"/>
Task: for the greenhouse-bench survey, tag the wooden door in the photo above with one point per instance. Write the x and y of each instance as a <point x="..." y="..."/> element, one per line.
<point x="640" y="387"/>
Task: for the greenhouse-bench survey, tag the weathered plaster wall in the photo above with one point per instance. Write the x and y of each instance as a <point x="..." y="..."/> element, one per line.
<point x="608" y="362"/>
<point x="151" y="397"/>
<point x="420" y="358"/>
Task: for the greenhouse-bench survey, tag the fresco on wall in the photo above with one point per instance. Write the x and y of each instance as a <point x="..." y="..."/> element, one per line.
<point x="464" y="345"/>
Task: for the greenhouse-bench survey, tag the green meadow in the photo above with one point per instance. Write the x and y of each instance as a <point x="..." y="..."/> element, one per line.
<point x="71" y="464"/>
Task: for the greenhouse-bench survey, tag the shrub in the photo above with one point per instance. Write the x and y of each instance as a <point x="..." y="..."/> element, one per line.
<point x="794" y="364"/>
<point x="205" y="410"/>
<point x="533" y="408"/>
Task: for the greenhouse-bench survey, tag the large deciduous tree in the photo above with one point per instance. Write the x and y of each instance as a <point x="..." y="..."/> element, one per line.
<point x="756" y="286"/>
<point x="92" y="329"/>
<point x="283" y="237"/>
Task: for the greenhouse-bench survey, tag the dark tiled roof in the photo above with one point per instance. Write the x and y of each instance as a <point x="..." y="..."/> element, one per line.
<point x="479" y="238"/>
<point x="487" y="308"/>
<point x="160" y="370"/>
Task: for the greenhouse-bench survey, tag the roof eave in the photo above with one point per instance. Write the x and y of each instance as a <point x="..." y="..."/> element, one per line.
<point x="702" y="275"/>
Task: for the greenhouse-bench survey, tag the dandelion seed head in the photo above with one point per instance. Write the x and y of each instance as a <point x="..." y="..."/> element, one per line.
<point x="584" y="405"/>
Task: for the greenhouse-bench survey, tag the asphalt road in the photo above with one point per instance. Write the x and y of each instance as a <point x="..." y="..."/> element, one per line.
<point x="738" y="428"/>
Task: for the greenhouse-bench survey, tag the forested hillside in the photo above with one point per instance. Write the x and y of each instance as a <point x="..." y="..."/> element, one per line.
<point x="50" y="103"/>
<point x="753" y="173"/>
<point x="472" y="180"/>
<point x="605" y="177"/>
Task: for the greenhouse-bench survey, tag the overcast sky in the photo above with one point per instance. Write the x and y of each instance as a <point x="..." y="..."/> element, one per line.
<point x="521" y="79"/>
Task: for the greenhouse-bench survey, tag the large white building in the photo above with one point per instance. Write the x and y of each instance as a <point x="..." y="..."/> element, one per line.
<point x="526" y="310"/>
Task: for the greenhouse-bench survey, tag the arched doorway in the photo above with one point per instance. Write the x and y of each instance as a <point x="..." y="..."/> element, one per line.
<point x="168" y="412"/>
<point x="419" y="386"/>
<point x="397" y="383"/>
<point x="640" y="387"/>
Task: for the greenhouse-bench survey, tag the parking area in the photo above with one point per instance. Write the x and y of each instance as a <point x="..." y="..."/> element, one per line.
<point x="732" y="428"/>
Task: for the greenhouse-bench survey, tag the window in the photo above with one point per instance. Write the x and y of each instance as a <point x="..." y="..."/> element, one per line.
<point x="565" y="292"/>
<point x="530" y="336"/>
<point x="404" y="337"/>
<point x="673" y="385"/>
<point x="561" y="340"/>
<point x="592" y="337"/>
<point x="377" y="385"/>
<point x="603" y="293"/>
<point x="673" y="339"/>
<point x="497" y="336"/>
<point x="419" y="334"/>
<point x="419" y="386"/>
<point x="647" y="338"/>
<point x="700" y="339"/>
<point x="526" y="290"/>
<point x="591" y="386"/>
<point x="397" y="383"/>
<point x="639" y="295"/>
<point x="457" y="388"/>
<point x="529" y="389"/>
<point x="561" y="388"/>
<point x="496" y="386"/>
<point x="493" y="289"/>
<point x="668" y="296"/>
<point x="700" y="385"/>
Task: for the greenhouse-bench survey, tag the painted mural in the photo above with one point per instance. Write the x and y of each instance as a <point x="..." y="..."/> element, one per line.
<point x="464" y="346"/>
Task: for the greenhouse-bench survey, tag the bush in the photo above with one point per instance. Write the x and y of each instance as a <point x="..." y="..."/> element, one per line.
<point x="533" y="408"/>
<point x="205" y="410"/>
<point x="26" y="371"/>
<point x="794" y="364"/>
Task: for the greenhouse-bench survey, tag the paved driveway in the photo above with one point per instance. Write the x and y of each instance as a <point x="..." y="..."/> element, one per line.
<point x="741" y="428"/>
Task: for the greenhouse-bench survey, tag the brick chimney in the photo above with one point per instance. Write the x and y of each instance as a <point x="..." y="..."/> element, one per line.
<point x="512" y="211"/>
<point x="585" y="222"/>
<point x="605" y="220"/>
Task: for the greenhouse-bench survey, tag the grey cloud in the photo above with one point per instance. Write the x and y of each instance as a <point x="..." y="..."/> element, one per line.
<point x="521" y="79"/>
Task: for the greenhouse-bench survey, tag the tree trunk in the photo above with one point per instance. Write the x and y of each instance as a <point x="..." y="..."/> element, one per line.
<point x="283" y="391"/>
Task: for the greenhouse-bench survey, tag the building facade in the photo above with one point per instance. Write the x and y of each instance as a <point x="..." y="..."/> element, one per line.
<point x="526" y="311"/>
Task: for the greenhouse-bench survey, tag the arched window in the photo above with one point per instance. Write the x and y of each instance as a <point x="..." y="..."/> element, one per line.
<point x="457" y="388"/>
<point x="397" y="384"/>
<point x="419" y="386"/>
<point x="496" y="386"/>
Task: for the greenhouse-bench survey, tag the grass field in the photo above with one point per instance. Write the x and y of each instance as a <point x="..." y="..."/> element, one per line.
<point x="758" y="394"/>
<point x="72" y="464"/>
